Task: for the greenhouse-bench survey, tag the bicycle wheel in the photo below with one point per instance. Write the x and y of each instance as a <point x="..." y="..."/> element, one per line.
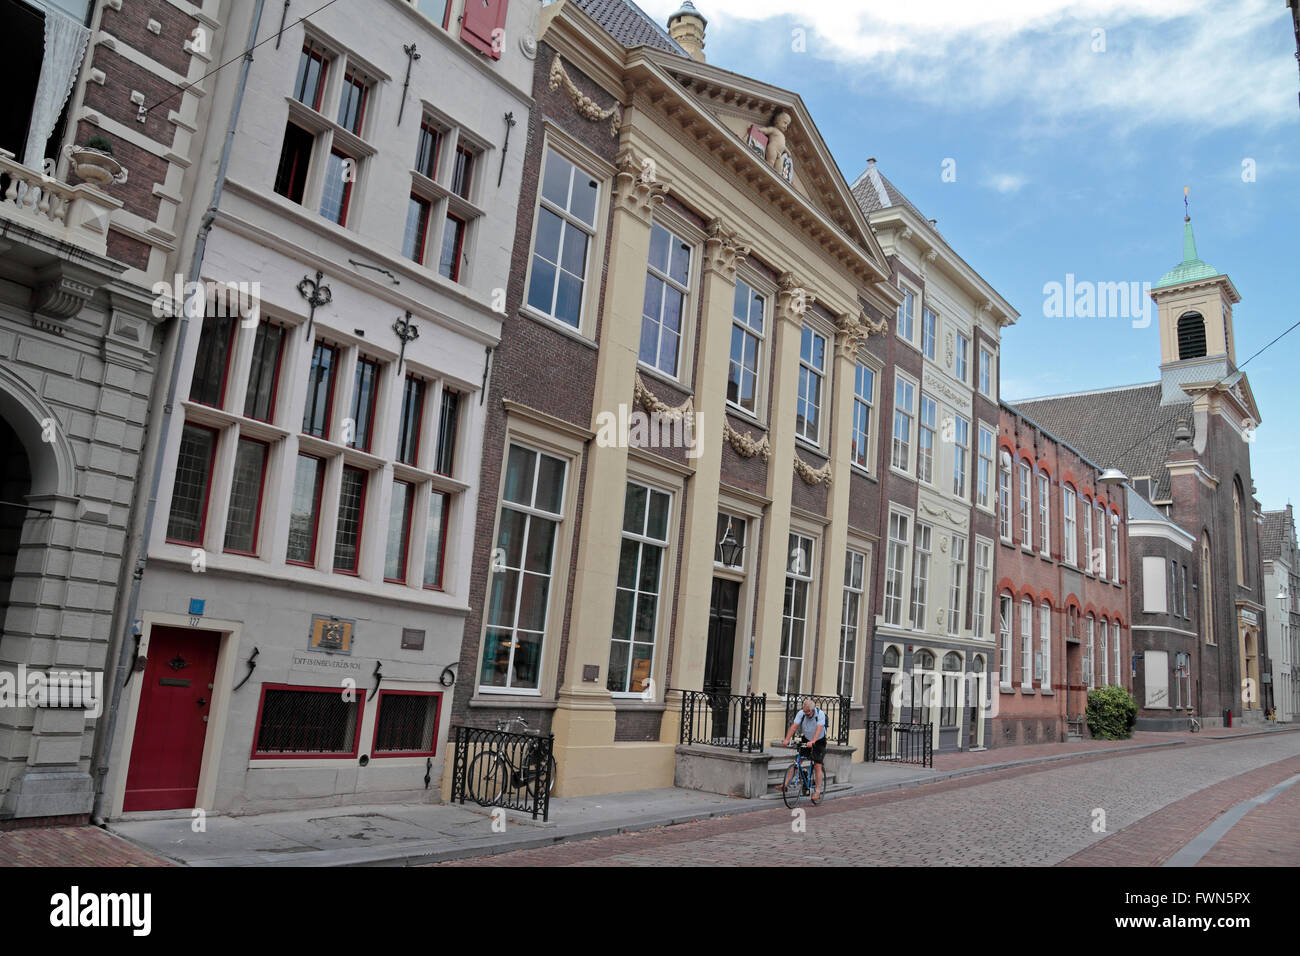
<point x="792" y="786"/>
<point x="487" y="779"/>
<point x="550" y="776"/>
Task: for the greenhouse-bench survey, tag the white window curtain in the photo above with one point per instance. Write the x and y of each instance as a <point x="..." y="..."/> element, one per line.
<point x="65" y="45"/>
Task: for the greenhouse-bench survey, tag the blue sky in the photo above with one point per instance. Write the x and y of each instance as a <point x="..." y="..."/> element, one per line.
<point x="1074" y="128"/>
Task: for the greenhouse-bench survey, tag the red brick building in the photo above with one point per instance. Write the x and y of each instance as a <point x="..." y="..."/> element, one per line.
<point x="1062" y="591"/>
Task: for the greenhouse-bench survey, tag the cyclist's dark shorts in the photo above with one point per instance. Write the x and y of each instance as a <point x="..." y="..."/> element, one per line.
<point x="818" y="751"/>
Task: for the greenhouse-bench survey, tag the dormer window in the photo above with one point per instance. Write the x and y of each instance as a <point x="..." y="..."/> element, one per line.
<point x="1191" y="336"/>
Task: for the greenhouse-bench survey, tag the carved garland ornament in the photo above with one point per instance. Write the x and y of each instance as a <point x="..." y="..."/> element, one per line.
<point x="653" y="405"/>
<point x="584" y="104"/>
<point x="744" y="445"/>
<point x="810" y="474"/>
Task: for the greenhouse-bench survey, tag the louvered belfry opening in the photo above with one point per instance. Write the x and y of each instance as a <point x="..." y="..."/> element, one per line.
<point x="1191" y="336"/>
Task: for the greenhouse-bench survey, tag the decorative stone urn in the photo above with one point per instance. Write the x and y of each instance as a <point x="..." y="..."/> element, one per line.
<point x="94" y="165"/>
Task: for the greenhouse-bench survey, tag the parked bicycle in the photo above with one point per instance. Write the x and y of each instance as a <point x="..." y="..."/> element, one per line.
<point x="494" y="773"/>
<point x="799" y="778"/>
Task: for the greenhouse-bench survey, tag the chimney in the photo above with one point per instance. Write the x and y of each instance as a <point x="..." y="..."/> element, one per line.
<point x="686" y="26"/>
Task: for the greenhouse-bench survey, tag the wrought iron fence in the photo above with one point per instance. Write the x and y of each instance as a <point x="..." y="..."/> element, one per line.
<point x="498" y="768"/>
<point x="736" y="721"/>
<point x="901" y="743"/>
<point x="837" y="714"/>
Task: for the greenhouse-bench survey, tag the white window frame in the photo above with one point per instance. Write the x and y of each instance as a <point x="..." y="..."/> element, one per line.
<point x="530" y="511"/>
<point x="961" y="364"/>
<point x="903" y="386"/>
<point x="986" y="373"/>
<point x="1005" y="526"/>
<point x="922" y="552"/>
<point x="855" y="575"/>
<point x="980" y="586"/>
<point x="1100" y="515"/>
<point x="685" y="326"/>
<point x="1089" y="658"/>
<point x="822" y="376"/>
<point x="1006" y="606"/>
<point x="642" y="539"/>
<point x="797" y="575"/>
<point x="896" y="567"/>
<point x="1105" y="657"/>
<point x="929" y="332"/>
<point x="1045" y="646"/>
<point x="1070" y="553"/>
<point x="956" y="584"/>
<point x="864" y="407"/>
<point x="1026" y="643"/>
<point x="960" y="457"/>
<point x="1085" y="519"/>
<point x="1114" y="564"/>
<point x="747" y="331"/>
<point x="984" y="468"/>
<point x="927" y="422"/>
<point x="1026" y="506"/>
<point x="907" y="330"/>
<point x="1045" y="512"/>
<point x="594" y="233"/>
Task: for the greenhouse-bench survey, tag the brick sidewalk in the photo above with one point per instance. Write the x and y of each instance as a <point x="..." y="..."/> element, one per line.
<point x="1264" y="837"/>
<point x="71" y="846"/>
<point x="965" y="759"/>
<point x="1155" y="838"/>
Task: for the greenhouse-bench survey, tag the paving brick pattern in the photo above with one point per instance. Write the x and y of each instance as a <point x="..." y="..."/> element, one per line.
<point x="1267" y="836"/>
<point x="71" y="846"/>
<point x="1036" y="815"/>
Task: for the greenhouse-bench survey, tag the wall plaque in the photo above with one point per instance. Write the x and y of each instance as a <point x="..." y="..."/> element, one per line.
<point x="330" y="634"/>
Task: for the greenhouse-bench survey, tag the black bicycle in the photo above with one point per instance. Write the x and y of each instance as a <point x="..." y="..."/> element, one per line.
<point x="494" y="774"/>
<point x="799" y="778"/>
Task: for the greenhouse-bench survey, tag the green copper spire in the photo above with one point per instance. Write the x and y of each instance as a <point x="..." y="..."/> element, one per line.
<point x="1191" y="268"/>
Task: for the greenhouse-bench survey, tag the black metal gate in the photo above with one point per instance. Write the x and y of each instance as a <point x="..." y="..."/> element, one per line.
<point x="497" y="768"/>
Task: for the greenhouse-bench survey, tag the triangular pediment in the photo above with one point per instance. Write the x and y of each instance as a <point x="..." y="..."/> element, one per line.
<point x="793" y="150"/>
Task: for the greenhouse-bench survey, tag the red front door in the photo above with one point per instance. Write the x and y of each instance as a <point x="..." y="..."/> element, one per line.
<point x="172" y="722"/>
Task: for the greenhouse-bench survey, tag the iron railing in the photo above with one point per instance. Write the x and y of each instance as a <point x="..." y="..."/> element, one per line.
<point x="497" y="768"/>
<point x="735" y="721"/>
<point x="900" y="743"/>
<point x="837" y="714"/>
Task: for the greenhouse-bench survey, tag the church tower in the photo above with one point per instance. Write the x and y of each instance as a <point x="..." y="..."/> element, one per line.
<point x="1197" y="348"/>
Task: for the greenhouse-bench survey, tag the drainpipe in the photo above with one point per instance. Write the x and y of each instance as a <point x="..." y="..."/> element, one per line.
<point x="125" y="655"/>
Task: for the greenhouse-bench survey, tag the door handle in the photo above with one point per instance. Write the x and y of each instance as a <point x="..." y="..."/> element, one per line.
<point x="202" y="702"/>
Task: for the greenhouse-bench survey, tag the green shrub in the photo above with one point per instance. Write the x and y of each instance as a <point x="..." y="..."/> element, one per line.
<point x="100" y="143"/>
<point x="1112" y="712"/>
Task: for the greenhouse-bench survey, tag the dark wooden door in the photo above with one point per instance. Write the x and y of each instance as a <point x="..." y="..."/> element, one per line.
<point x="719" y="654"/>
<point x="172" y="722"/>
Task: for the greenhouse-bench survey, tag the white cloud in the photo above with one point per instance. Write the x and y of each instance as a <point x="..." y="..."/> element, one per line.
<point x="1177" y="61"/>
<point x="1007" y="182"/>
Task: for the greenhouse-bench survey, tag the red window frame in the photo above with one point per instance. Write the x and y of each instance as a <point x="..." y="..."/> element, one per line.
<point x="374" y="400"/>
<point x="460" y="247"/>
<point x="354" y="571"/>
<point x="225" y="371"/>
<point x="437" y="722"/>
<point x="406" y="532"/>
<point x="358" y="83"/>
<point x="346" y="199"/>
<point x="356" y="736"/>
<point x="318" y="55"/>
<point x="261" y="491"/>
<point x="419" y="420"/>
<point x="315" y="511"/>
<point x="300" y="165"/>
<point x="444" y="449"/>
<point x="275" y="378"/>
<point x="329" y="391"/>
<point x="464" y="173"/>
<point x="207" y="486"/>
<point x="442" y="544"/>
<point x="426" y="212"/>
<point x="430" y="168"/>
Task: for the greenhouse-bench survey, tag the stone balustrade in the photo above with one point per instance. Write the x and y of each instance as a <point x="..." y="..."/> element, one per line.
<point x="78" y="215"/>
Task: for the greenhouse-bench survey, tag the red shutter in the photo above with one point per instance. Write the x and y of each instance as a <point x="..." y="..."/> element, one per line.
<point x="480" y="22"/>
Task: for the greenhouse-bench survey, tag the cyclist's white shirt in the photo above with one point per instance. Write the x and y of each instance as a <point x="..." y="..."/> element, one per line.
<point x="807" y="725"/>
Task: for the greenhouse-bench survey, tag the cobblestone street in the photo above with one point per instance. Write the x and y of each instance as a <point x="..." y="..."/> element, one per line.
<point x="1023" y="816"/>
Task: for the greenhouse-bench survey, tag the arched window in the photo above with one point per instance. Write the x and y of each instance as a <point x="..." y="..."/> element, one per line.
<point x="923" y="674"/>
<point x="952" y="661"/>
<point x="1089" y="652"/>
<point x="1004" y="639"/>
<point x="1104" y="649"/>
<point x="1191" y="336"/>
<point x="924" y="661"/>
<point x="1043" y="664"/>
<point x="891" y="656"/>
<point x="1026" y="642"/>
<point x="1207" y="589"/>
<point x="1239" y="533"/>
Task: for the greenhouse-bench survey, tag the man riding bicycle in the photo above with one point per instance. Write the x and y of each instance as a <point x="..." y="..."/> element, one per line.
<point x="810" y="721"/>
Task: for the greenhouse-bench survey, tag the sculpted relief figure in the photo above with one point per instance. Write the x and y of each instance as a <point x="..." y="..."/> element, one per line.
<point x="776" y="155"/>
